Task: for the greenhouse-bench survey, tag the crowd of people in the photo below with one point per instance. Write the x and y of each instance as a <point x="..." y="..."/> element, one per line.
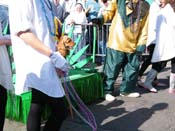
<point x="135" y="27"/>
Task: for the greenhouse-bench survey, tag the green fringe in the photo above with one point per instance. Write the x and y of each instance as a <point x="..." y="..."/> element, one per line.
<point x="88" y="86"/>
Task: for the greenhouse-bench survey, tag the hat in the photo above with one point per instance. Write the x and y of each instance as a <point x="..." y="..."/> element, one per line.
<point x="79" y="2"/>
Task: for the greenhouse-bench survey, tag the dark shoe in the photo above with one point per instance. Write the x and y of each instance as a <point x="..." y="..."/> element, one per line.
<point x="155" y="83"/>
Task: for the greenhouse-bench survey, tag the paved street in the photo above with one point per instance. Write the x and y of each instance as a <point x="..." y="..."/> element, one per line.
<point x="150" y="112"/>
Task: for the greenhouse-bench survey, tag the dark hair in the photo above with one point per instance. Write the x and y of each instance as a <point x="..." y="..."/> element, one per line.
<point x="104" y="1"/>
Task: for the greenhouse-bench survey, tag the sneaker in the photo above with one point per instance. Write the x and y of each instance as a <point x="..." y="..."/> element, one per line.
<point x="134" y="94"/>
<point x="154" y="90"/>
<point x="150" y="88"/>
<point x="109" y="97"/>
<point x="171" y="90"/>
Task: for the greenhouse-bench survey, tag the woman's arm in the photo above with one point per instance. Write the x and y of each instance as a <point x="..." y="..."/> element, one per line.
<point x="29" y="38"/>
<point x="5" y="42"/>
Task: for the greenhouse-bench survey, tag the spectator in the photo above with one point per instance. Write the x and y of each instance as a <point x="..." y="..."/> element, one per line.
<point x="92" y="8"/>
<point x="68" y="6"/>
<point x="60" y="11"/>
<point x="103" y="31"/>
<point x="77" y="18"/>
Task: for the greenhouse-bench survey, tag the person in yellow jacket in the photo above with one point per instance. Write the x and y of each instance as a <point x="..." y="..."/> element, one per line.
<point x="126" y="42"/>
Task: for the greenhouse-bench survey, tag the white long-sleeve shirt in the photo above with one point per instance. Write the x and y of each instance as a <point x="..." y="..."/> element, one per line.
<point x="153" y="12"/>
<point x="165" y="35"/>
<point x="78" y="18"/>
<point x="33" y="69"/>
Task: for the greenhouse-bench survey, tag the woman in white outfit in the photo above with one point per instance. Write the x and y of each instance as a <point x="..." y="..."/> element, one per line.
<point x="36" y="60"/>
<point x="165" y="42"/>
<point x="155" y="7"/>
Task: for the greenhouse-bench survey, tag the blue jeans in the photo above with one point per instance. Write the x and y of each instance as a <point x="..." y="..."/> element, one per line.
<point x="102" y="49"/>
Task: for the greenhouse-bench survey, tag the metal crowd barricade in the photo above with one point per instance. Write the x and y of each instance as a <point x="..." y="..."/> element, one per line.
<point x="102" y="37"/>
<point x="95" y="37"/>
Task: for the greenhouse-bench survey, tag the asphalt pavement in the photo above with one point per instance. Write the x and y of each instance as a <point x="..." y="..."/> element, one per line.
<point x="150" y="112"/>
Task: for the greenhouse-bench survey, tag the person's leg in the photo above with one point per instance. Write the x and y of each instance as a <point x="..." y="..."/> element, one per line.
<point x="156" y="68"/>
<point x="112" y="67"/>
<point x="34" y="116"/>
<point x="144" y="66"/>
<point x="102" y="47"/>
<point x="172" y="77"/>
<point x="147" y="61"/>
<point x="149" y="79"/>
<point x="3" y="102"/>
<point x="162" y="66"/>
<point x="130" y="75"/>
<point x="58" y="114"/>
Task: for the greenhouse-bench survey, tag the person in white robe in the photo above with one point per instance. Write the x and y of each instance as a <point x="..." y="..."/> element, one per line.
<point x="165" y="42"/>
<point x="151" y="78"/>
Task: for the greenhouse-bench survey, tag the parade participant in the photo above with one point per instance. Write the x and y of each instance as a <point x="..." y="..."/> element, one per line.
<point x="37" y="62"/>
<point x="126" y="42"/>
<point x="5" y="76"/>
<point x="151" y="78"/>
<point x="165" y="39"/>
<point x="5" y="70"/>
